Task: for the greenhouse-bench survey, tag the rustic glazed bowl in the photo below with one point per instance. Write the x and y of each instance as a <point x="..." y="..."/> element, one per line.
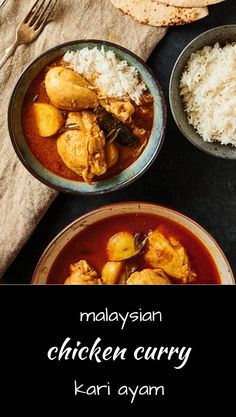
<point x="47" y="177"/>
<point x="221" y="34"/>
<point x="42" y="270"/>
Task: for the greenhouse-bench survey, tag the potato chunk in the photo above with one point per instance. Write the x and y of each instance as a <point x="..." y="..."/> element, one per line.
<point x="69" y="90"/>
<point x="111" y="272"/>
<point x="49" y="120"/>
<point x="121" y="246"/>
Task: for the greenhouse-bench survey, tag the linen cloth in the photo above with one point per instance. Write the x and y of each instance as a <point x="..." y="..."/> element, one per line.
<point x="23" y="199"/>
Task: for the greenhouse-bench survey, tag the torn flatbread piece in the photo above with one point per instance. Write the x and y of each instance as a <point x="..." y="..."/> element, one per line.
<point x="153" y="13"/>
<point x="189" y="3"/>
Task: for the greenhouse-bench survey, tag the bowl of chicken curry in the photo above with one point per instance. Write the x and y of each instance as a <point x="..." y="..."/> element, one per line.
<point x="133" y="244"/>
<point x="87" y="117"/>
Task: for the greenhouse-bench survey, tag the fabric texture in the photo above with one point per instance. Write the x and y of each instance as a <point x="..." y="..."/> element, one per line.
<point x="23" y="199"/>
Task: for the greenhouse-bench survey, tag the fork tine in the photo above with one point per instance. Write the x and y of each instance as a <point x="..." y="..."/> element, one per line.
<point x="38" y="21"/>
<point x="27" y="18"/>
<point x="39" y="27"/>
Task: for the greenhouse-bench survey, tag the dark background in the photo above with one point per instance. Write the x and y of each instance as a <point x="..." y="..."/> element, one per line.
<point x="44" y="316"/>
<point x="182" y="177"/>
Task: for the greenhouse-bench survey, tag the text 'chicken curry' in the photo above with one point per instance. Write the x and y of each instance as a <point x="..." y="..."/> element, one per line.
<point x="87" y="116"/>
<point x="134" y="249"/>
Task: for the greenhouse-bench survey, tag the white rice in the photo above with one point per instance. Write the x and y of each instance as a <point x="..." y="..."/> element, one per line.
<point x="208" y="89"/>
<point x="115" y="78"/>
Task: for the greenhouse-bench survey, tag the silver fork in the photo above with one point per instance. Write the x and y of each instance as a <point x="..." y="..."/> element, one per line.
<point x="29" y="29"/>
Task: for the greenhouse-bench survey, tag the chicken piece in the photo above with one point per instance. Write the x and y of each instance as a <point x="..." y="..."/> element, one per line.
<point x="146" y="98"/>
<point x="112" y="154"/>
<point x="82" y="274"/>
<point x="123" y="110"/>
<point x="69" y="90"/>
<point x="149" y="277"/>
<point x="83" y="150"/>
<point x="170" y="255"/>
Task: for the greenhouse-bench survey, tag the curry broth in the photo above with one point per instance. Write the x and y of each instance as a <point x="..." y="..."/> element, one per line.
<point x="91" y="243"/>
<point x="45" y="148"/>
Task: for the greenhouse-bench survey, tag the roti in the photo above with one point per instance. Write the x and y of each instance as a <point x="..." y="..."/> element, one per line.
<point x="190" y="3"/>
<point x="154" y="13"/>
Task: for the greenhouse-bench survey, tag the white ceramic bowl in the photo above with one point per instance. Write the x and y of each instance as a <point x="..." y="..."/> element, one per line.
<point x="55" y="247"/>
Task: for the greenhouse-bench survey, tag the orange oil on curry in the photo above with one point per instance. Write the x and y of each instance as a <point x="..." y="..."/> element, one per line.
<point x="91" y="243"/>
<point x="45" y="149"/>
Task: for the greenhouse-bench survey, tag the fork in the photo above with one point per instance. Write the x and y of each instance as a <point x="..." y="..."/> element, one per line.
<point x="29" y="29"/>
<point x="2" y="2"/>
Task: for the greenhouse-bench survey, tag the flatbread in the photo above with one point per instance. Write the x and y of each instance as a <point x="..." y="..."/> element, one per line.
<point x="154" y="13"/>
<point x="190" y="3"/>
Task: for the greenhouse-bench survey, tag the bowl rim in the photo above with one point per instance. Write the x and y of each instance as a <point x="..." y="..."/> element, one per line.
<point x="114" y="187"/>
<point x="127" y="204"/>
<point x="171" y="83"/>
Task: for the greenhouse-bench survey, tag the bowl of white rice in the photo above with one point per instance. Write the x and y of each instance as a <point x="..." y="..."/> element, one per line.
<point x="203" y="92"/>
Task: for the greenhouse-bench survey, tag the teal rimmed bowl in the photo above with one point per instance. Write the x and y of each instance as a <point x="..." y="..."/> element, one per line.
<point x="123" y="179"/>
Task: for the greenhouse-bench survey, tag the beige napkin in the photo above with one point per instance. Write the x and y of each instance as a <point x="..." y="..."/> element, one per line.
<point x="23" y="199"/>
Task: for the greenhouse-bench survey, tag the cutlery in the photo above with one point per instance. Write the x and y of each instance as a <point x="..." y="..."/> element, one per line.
<point x="29" y="29"/>
<point x="2" y="2"/>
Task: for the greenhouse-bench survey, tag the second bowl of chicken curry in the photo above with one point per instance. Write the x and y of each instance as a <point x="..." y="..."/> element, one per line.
<point x="133" y="244"/>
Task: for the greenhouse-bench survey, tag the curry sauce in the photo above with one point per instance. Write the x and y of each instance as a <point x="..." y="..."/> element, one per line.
<point x="91" y="245"/>
<point x="45" y="148"/>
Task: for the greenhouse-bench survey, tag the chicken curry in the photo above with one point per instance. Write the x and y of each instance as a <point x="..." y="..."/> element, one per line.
<point x="134" y="249"/>
<point x="78" y="132"/>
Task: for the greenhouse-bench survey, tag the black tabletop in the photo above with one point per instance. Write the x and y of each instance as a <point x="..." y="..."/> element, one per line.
<point x="182" y="177"/>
